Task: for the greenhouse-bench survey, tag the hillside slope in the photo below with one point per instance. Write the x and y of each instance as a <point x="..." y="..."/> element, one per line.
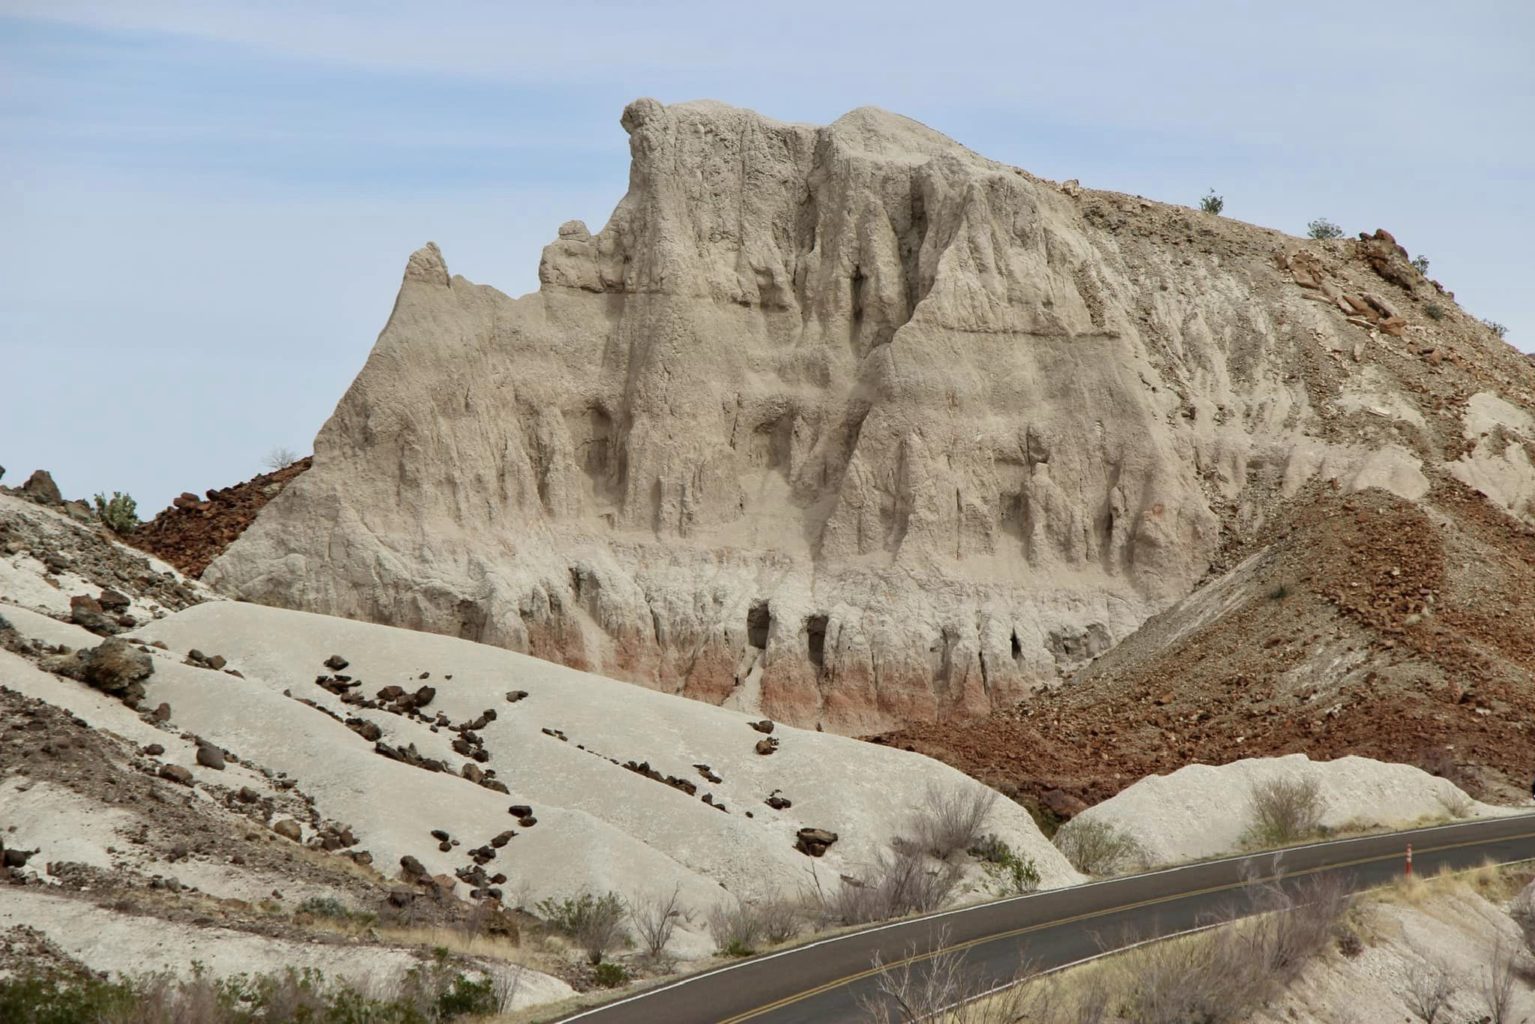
<point x="851" y="426"/>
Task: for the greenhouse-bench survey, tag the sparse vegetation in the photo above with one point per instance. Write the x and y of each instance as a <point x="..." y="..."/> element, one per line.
<point x="1496" y="328"/>
<point x="655" y="919"/>
<point x="1430" y="989"/>
<point x="592" y="922"/>
<point x="610" y="975"/>
<point x="324" y="906"/>
<point x="1420" y="264"/>
<point x="1010" y="873"/>
<point x="1099" y="847"/>
<point x="939" y="988"/>
<point x="1434" y="311"/>
<point x="1496" y="983"/>
<point x="429" y="994"/>
<point x="1218" y="977"/>
<point x="949" y="821"/>
<point x="901" y="882"/>
<point x="1322" y="228"/>
<point x="279" y="458"/>
<point x="1522" y="910"/>
<point x="737" y="930"/>
<point x="120" y="513"/>
<point x="1284" y="811"/>
<point x="1212" y="203"/>
<point x="1279" y="591"/>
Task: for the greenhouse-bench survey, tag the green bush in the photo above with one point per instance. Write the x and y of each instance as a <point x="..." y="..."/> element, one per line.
<point x="1420" y="264"/>
<point x="1323" y="228"/>
<point x="1212" y="203"/>
<point x="1099" y="847"/>
<point x="1496" y="328"/>
<point x="428" y="994"/>
<point x="119" y="513"/>
<point x="1009" y="873"/>
<point x="610" y="975"/>
<point x="1282" y="811"/>
<point x="323" y="906"/>
<point x="593" y="922"/>
<point x="1434" y="311"/>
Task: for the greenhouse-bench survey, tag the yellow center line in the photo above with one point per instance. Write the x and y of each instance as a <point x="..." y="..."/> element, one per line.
<point x="1153" y="901"/>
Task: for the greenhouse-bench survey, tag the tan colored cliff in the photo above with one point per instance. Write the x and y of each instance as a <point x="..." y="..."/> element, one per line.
<point x="851" y="426"/>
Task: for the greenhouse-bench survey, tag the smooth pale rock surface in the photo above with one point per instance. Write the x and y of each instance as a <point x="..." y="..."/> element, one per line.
<point x="600" y="826"/>
<point x="1202" y="810"/>
<point x="844" y="425"/>
<point x="1498" y="463"/>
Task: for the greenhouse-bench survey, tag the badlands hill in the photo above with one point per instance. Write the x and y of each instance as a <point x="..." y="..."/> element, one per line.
<point x="852" y="427"/>
<point x="273" y="788"/>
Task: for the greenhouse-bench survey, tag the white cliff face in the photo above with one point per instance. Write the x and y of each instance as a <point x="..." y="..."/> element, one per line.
<point x="846" y="425"/>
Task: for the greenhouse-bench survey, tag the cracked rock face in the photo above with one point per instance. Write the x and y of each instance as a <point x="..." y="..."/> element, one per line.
<point x="846" y="426"/>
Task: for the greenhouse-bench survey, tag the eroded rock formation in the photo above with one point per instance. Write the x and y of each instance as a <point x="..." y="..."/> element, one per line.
<point x="844" y="425"/>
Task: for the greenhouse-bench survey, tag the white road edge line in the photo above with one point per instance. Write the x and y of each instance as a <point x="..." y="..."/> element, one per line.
<point x="750" y="961"/>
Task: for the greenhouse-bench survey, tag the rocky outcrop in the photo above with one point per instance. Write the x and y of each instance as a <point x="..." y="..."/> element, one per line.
<point x="847" y="425"/>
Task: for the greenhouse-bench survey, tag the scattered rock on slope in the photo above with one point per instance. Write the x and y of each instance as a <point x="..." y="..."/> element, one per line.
<point x="193" y="531"/>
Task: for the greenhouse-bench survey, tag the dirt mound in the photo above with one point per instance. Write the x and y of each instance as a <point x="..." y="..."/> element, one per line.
<point x="1363" y="624"/>
<point x="193" y="532"/>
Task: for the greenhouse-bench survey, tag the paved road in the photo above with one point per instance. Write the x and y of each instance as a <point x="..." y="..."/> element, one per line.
<point x="819" y="983"/>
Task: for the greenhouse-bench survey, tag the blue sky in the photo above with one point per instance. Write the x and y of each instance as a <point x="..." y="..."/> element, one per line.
<point x="206" y="206"/>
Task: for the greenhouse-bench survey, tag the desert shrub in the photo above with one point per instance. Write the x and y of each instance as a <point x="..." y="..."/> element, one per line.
<point x="610" y="975"/>
<point x="1522" y="910"/>
<point x="1420" y="264"/>
<point x="1430" y="989"/>
<point x="1323" y="228"/>
<point x="324" y="906"/>
<point x="949" y="821"/>
<point x="901" y="882"/>
<point x="1212" y="203"/>
<point x="737" y="929"/>
<point x="1219" y="977"/>
<point x="1496" y="983"/>
<point x="279" y="458"/>
<point x="1284" y="810"/>
<point x="1279" y="591"/>
<point x="1496" y="328"/>
<point x="1011" y="873"/>
<point x="120" y="513"/>
<point x="780" y="919"/>
<point x="592" y="922"/>
<point x="655" y="919"/>
<point x="1099" y="847"/>
<point x="917" y="989"/>
<point x="1434" y="311"/>
<point x="428" y="994"/>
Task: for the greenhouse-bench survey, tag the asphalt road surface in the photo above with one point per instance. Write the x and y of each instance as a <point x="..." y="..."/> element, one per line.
<point x="820" y="982"/>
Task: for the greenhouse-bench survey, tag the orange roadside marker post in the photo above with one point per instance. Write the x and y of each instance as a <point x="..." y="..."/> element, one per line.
<point x="1409" y="858"/>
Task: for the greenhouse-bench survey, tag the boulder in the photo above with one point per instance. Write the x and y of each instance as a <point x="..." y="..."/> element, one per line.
<point x="813" y="841"/>
<point x="176" y="773"/>
<point x="113" y="600"/>
<point x="116" y="667"/>
<point x="288" y="829"/>
<point x="1062" y="804"/>
<point x="210" y="756"/>
<point x="86" y="611"/>
<point x="41" y="489"/>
